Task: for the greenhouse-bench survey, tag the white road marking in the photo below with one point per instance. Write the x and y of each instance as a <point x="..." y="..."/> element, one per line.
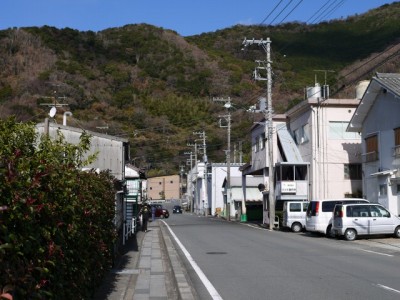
<point x="210" y="288"/>
<point x="379" y="253"/>
<point x="388" y="288"/>
<point x="253" y="226"/>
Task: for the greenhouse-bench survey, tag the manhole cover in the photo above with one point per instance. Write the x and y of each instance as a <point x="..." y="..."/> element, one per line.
<point x="216" y="252"/>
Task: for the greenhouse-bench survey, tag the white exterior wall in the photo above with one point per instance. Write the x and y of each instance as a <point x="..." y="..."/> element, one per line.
<point x="382" y="119"/>
<point x="212" y="191"/>
<point x="326" y="155"/>
<point x="258" y="158"/>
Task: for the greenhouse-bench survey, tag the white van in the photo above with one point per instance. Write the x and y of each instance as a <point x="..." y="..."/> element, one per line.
<point x="319" y="213"/>
<point x="294" y="215"/>
<point x="351" y="220"/>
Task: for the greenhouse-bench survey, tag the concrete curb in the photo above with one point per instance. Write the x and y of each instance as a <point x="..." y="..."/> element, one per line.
<point x="181" y="279"/>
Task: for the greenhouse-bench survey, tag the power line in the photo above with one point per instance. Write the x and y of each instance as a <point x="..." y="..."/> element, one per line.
<point x="281" y="12"/>
<point x="276" y="6"/>
<point x="290" y="12"/>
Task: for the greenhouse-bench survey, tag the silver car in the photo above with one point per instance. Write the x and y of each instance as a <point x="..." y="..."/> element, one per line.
<point x="352" y="220"/>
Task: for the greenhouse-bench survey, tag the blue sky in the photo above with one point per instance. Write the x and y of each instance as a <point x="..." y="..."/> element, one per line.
<point x="184" y="16"/>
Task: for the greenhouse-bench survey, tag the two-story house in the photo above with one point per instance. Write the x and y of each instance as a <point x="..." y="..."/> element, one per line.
<point x="313" y="155"/>
<point x="377" y="120"/>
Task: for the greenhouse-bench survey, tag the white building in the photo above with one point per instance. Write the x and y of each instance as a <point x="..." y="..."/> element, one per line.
<point x="313" y="155"/>
<point x="318" y="127"/>
<point x="377" y="120"/>
<point x="207" y="196"/>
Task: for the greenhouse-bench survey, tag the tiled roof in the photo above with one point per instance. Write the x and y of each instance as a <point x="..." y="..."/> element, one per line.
<point x="389" y="80"/>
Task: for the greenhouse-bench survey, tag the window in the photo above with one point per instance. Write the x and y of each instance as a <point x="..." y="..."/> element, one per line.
<point x="301" y="135"/>
<point x="352" y="171"/>
<point x="397" y="137"/>
<point x="337" y="131"/>
<point x="262" y="141"/>
<point x="396" y="142"/>
<point x="359" y="211"/>
<point x="371" y="148"/>
<point x="257" y="144"/>
<point x="295" y="207"/>
<point x="382" y="190"/>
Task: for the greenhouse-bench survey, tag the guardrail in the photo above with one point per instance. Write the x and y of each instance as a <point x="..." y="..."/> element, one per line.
<point x="128" y="229"/>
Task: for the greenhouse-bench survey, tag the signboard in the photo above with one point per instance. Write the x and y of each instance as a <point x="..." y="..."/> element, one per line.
<point x="288" y="187"/>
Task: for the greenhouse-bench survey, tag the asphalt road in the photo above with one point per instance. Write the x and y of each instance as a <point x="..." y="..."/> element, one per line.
<point x="245" y="262"/>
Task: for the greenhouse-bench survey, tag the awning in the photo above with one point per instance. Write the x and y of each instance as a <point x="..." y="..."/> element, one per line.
<point x="252" y="194"/>
<point x="384" y="173"/>
<point x="289" y="147"/>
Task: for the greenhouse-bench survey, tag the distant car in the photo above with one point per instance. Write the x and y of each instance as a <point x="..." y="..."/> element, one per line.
<point x="177" y="209"/>
<point x="161" y="212"/>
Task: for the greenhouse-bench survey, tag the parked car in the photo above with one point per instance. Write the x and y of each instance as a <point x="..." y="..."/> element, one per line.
<point x="294" y="215"/>
<point x="352" y="220"/>
<point x="319" y="214"/>
<point x="161" y="212"/>
<point x="177" y="209"/>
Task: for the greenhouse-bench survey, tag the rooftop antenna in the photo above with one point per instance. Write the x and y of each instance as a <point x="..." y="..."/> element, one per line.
<point x="325" y="72"/>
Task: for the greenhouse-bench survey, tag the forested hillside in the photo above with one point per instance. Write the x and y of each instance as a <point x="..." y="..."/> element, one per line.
<point x="156" y="88"/>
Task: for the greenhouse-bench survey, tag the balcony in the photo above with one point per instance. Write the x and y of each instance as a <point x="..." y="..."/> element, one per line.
<point x="291" y="189"/>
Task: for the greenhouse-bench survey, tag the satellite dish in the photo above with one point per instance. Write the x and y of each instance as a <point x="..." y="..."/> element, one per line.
<point x="227" y="105"/>
<point x="52" y="112"/>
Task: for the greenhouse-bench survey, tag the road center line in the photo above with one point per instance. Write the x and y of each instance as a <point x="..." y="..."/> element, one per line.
<point x="388" y="288"/>
<point x="379" y="253"/>
<point x="210" y="288"/>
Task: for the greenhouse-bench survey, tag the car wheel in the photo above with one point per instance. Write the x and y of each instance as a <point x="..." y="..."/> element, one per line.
<point x="296" y="227"/>
<point x="329" y="231"/>
<point x="350" y="235"/>
<point x="162" y="216"/>
<point x="397" y="232"/>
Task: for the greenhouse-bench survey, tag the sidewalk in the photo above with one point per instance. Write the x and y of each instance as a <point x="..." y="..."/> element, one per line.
<point x="149" y="269"/>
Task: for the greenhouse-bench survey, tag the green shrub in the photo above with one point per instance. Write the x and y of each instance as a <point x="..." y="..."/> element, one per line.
<point x="56" y="221"/>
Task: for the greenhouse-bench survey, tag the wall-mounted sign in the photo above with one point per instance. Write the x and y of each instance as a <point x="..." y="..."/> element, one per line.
<point x="288" y="187"/>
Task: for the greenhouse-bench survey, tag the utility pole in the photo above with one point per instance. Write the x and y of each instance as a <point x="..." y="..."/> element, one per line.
<point x="227" y="105"/>
<point x="266" y="65"/>
<point x="196" y="175"/>
<point x="203" y="136"/>
<point x="182" y="170"/>
<point x="189" y="180"/>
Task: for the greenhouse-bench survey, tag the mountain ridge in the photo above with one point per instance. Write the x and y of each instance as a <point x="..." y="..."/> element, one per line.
<point x="155" y="87"/>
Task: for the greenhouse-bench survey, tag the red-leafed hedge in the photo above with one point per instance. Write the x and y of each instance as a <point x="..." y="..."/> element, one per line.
<point x="56" y="222"/>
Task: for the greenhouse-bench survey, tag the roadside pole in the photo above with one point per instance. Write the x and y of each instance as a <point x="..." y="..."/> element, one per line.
<point x="266" y="65"/>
